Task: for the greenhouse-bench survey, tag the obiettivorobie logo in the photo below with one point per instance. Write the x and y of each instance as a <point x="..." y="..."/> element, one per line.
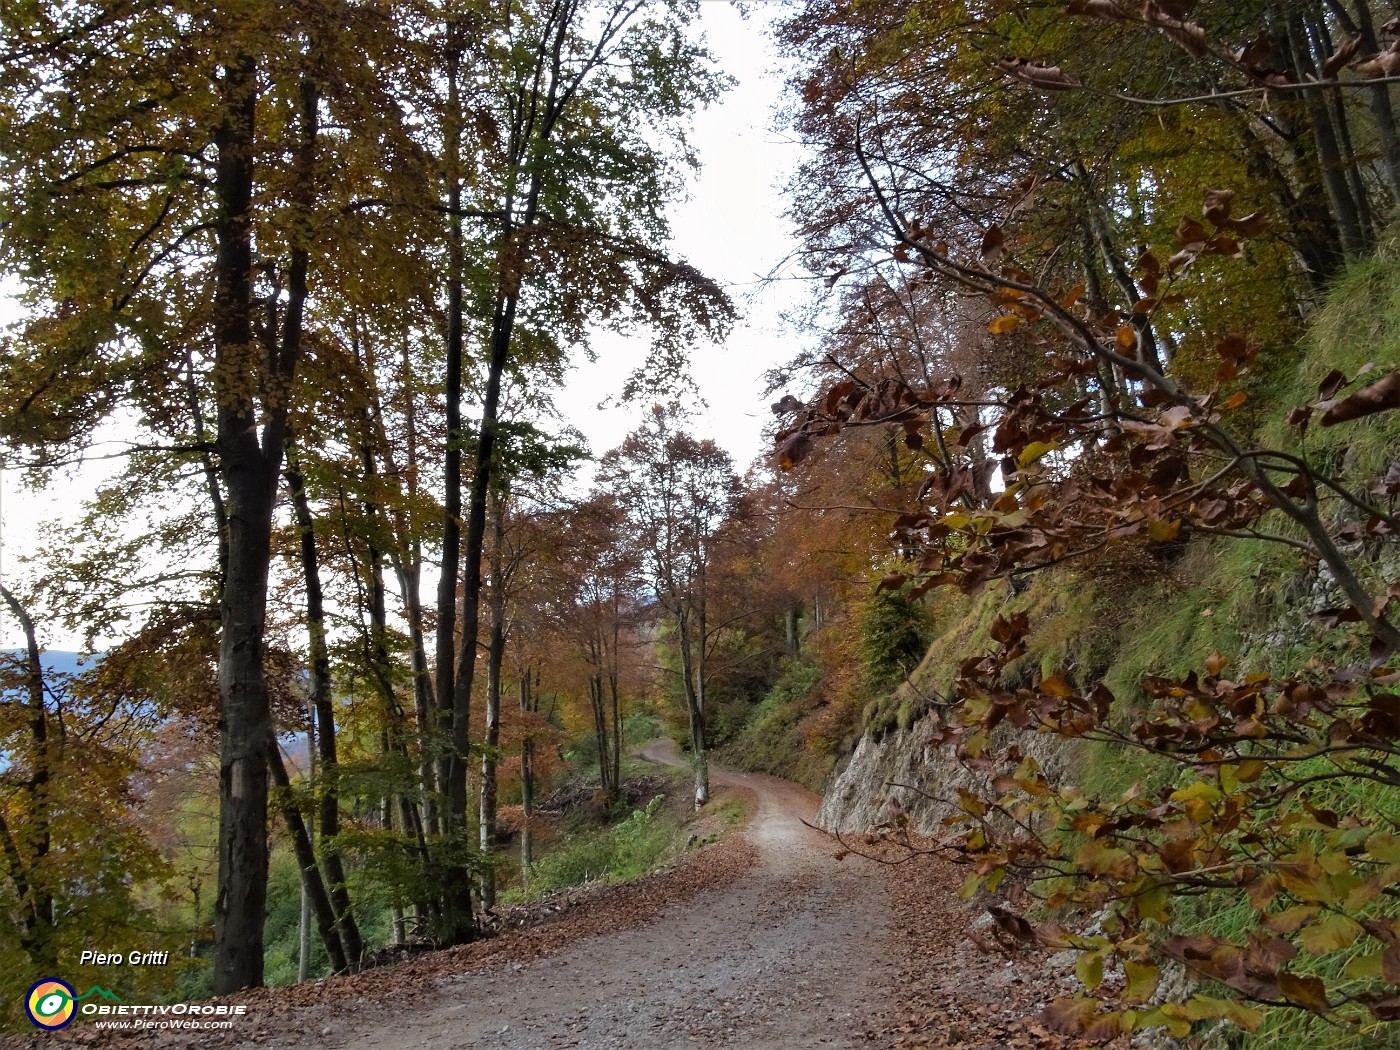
<point x="52" y="1004"/>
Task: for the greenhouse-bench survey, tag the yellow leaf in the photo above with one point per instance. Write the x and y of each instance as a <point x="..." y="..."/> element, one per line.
<point x="1126" y="338"/>
<point x="1004" y="323"/>
<point x="1163" y="531"/>
<point x="1033" y="452"/>
<point x="1384" y="847"/>
<point x="1330" y="933"/>
<point x="1142" y="981"/>
<point x="1250" y="770"/>
<point x="1235" y="400"/>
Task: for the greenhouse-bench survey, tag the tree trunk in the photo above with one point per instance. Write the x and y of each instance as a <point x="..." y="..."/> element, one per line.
<point x="311" y="883"/>
<point x="616" y="729"/>
<point x="1378" y="96"/>
<point x="37" y="926"/>
<point x="450" y="819"/>
<point x="495" y="654"/>
<point x="249" y="484"/>
<point x="324" y="708"/>
<point x="695" y="712"/>
<point x="1328" y="158"/>
<point x="527" y="786"/>
<point x="600" y="730"/>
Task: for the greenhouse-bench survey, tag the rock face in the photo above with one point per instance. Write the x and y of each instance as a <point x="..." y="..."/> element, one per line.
<point x="903" y="767"/>
<point x="857" y="795"/>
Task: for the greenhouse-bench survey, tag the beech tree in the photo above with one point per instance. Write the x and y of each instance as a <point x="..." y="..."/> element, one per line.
<point x="677" y="492"/>
<point x="166" y="204"/>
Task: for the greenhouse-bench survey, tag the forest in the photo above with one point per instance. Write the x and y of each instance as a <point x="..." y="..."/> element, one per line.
<point x="1082" y="467"/>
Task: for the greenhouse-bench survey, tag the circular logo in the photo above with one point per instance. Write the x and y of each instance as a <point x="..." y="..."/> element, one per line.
<point x="50" y="1003"/>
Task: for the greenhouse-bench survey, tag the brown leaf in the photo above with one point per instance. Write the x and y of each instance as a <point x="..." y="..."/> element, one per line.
<point x="1390" y="964"/>
<point x="1217" y="206"/>
<point x="1190" y="233"/>
<point x="1222" y="245"/>
<point x="1304" y="991"/>
<point x="1070" y="1016"/>
<point x="1251" y="226"/>
<point x="1256" y="51"/>
<point x="992" y="243"/>
<point x="1331" y="384"/>
<point x="1037" y="74"/>
<point x="1341" y="57"/>
<point x="1012" y="924"/>
<point x="794" y="450"/>
<point x="1107" y="10"/>
<point x="1187" y="35"/>
<point x="1385" y="64"/>
<point x="892" y="581"/>
<point x="1380" y="396"/>
<point x="1181" y="260"/>
<point x="837" y="394"/>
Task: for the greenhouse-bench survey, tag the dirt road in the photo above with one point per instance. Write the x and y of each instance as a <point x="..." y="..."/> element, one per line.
<point x="793" y="954"/>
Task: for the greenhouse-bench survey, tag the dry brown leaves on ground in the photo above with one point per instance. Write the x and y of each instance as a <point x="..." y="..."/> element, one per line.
<point x="559" y="922"/>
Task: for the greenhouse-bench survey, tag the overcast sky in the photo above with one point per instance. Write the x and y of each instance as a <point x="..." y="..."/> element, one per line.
<point x="731" y="226"/>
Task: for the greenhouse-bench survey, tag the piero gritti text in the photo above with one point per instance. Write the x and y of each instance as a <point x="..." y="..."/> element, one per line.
<point x="137" y="958"/>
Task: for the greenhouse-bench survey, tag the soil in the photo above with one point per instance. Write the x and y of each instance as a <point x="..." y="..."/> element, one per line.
<point x="760" y="941"/>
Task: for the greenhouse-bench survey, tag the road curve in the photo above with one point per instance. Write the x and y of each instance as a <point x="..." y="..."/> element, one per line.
<point x="791" y="955"/>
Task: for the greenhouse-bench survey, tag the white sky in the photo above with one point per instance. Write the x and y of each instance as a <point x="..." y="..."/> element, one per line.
<point x="731" y="227"/>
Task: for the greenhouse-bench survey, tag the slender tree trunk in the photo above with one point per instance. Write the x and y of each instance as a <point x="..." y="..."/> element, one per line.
<point x="1331" y="165"/>
<point x="616" y="731"/>
<point x="450" y="819"/>
<point x="324" y="708"/>
<point x="527" y="785"/>
<point x="614" y="672"/>
<point x="600" y="729"/>
<point x="251" y="467"/>
<point x="495" y="655"/>
<point x="35" y="897"/>
<point x="1378" y="95"/>
<point x="695" y="712"/>
<point x="1118" y="269"/>
<point x="1309" y="227"/>
<point x="1315" y="26"/>
<point x="312" y="885"/>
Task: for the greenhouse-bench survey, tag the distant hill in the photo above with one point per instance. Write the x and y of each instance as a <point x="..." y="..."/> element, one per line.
<point x="60" y="661"/>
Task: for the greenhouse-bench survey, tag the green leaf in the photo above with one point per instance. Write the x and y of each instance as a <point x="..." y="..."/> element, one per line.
<point x="1204" y="1007"/>
<point x="1089" y="970"/>
<point x="1364" y="967"/>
